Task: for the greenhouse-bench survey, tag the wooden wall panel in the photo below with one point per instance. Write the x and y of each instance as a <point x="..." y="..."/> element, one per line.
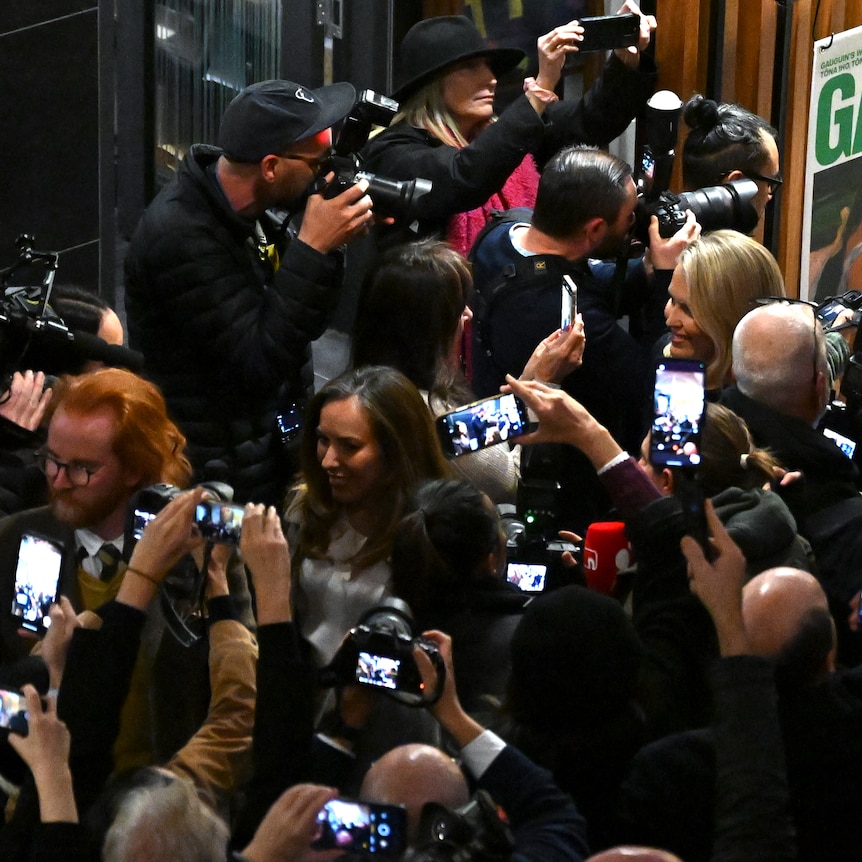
<point x="748" y="56"/>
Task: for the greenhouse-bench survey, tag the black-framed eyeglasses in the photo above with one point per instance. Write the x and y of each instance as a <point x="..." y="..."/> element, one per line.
<point x="317" y="163"/>
<point x="773" y="183"/>
<point x="78" y="473"/>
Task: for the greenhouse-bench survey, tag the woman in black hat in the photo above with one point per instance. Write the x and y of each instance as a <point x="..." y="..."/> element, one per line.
<point x="446" y="130"/>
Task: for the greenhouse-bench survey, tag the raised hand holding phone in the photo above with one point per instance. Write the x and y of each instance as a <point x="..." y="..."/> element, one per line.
<point x="679" y="409"/>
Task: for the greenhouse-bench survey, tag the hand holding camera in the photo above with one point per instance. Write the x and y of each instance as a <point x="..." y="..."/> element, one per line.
<point x="663" y="252"/>
<point x="329" y="223"/>
<point x="381" y="652"/>
<point x="164" y="542"/>
<point x="447" y="709"/>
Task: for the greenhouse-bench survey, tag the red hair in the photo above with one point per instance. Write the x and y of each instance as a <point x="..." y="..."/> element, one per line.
<point x="147" y="441"/>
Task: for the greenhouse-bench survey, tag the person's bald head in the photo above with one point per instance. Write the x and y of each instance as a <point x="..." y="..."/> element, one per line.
<point x="412" y="775"/>
<point x="779" y="359"/>
<point x="634" y="854"/>
<point x="786" y="616"/>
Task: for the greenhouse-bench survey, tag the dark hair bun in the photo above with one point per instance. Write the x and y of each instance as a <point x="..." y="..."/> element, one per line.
<point x="701" y="114"/>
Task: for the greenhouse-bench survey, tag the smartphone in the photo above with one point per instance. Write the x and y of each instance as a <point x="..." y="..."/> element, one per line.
<point x="845" y="444"/>
<point x="679" y="402"/>
<point x="13" y="712"/>
<point x="603" y="33"/>
<point x="527" y="577"/>
<point x="568" y="303"/>
<point x="481" y="424"/>
<point x="37" y="580"/>
<point x="219" y="522"/>
<point x="289" y="422"/>
<point x="361" y="827"/>
<point x="378" y="670"/>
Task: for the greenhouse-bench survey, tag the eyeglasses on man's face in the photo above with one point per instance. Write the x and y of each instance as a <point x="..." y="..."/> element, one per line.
<point x="773" y="183"/>
<point x="78" y="473"/>
<point x="318" y="164"/>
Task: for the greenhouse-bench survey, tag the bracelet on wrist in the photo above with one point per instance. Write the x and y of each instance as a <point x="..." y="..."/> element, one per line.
<point x="143" y="575"/>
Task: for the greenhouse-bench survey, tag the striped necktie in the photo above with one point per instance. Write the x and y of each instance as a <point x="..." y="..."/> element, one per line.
<point x="110" y="558"/>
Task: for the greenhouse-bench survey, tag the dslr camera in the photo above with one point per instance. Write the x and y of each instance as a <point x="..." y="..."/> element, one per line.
<point x="473" y="833"/>
<point x="390" y="197"/>
<point x="534" y="553"/>
<point x="725" y="206"/>
<point x="832" y="306"/>
<point x="378" y="652"/>
<point x="182" y="592"/>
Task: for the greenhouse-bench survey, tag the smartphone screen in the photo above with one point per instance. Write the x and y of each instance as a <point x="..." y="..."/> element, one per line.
<point x="361" y="827"/>
<point x="481" y="424"/>
<point x="13" y="711"/>
<point x="219" y="522"/>
<point x="289" y="422"/>
<point x="140" y="519"/>
<point x="379" y="670"/>
<point x="528" y="577"/>
<point x="845" y="444"/>
<point x="37" y="580"/>
<point x="679" y="401"/>
<point x="827" y="312"/>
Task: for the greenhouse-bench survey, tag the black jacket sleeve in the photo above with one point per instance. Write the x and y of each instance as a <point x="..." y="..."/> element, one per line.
<point x="464" y="179"/>
<point x="283" y="724"/>
<point x="545" y="823"/>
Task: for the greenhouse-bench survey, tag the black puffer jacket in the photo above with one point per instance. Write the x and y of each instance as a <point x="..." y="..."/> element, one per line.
<point x="224" y="336"/>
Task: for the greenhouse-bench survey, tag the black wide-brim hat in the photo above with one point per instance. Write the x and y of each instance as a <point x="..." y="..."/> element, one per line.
<point x="435" y="43"/>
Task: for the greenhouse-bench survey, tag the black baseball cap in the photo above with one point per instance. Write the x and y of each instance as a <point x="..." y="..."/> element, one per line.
<point x="269" y="116"/>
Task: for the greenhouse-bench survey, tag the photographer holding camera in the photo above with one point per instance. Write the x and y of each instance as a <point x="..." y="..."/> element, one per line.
<point x="727" y="142"/>
<point x="584" y="211"/>
<point x="224" y="300"/>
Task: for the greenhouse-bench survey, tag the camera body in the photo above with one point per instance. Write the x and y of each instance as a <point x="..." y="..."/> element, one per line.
<point x="726" y="206"/>
<point x="832" y="306"/>
<point x="390" y="197"/>
<point x="534" y="553"/>
<point x="378" y="652"/>
<point x="145" y="504"/>
<point x="475" y="832"/>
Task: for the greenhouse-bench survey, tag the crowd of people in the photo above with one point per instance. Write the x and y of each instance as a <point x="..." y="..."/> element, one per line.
<point x="203" y="694"/>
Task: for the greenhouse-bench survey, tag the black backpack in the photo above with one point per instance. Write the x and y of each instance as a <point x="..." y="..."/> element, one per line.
<point x="511" y="316"/>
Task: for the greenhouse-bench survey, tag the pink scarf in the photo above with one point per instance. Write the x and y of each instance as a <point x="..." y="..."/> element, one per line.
<point x="518" y="191"/>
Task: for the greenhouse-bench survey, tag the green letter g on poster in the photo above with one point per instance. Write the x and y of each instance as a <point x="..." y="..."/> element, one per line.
<point x="835" y="109"/>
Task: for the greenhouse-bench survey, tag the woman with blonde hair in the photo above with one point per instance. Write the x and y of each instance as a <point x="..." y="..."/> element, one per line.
<point x="715" y="284"/>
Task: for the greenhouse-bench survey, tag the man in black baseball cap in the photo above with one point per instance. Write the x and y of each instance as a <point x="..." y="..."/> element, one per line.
<point x="223" y="299"/>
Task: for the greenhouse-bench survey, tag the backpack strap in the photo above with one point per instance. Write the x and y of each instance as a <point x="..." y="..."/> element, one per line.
<point x="496" y="218"/>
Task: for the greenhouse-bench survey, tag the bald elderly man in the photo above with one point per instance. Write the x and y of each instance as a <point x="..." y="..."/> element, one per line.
<point x="669" y="797"/>
<point x="782" y="389"/>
